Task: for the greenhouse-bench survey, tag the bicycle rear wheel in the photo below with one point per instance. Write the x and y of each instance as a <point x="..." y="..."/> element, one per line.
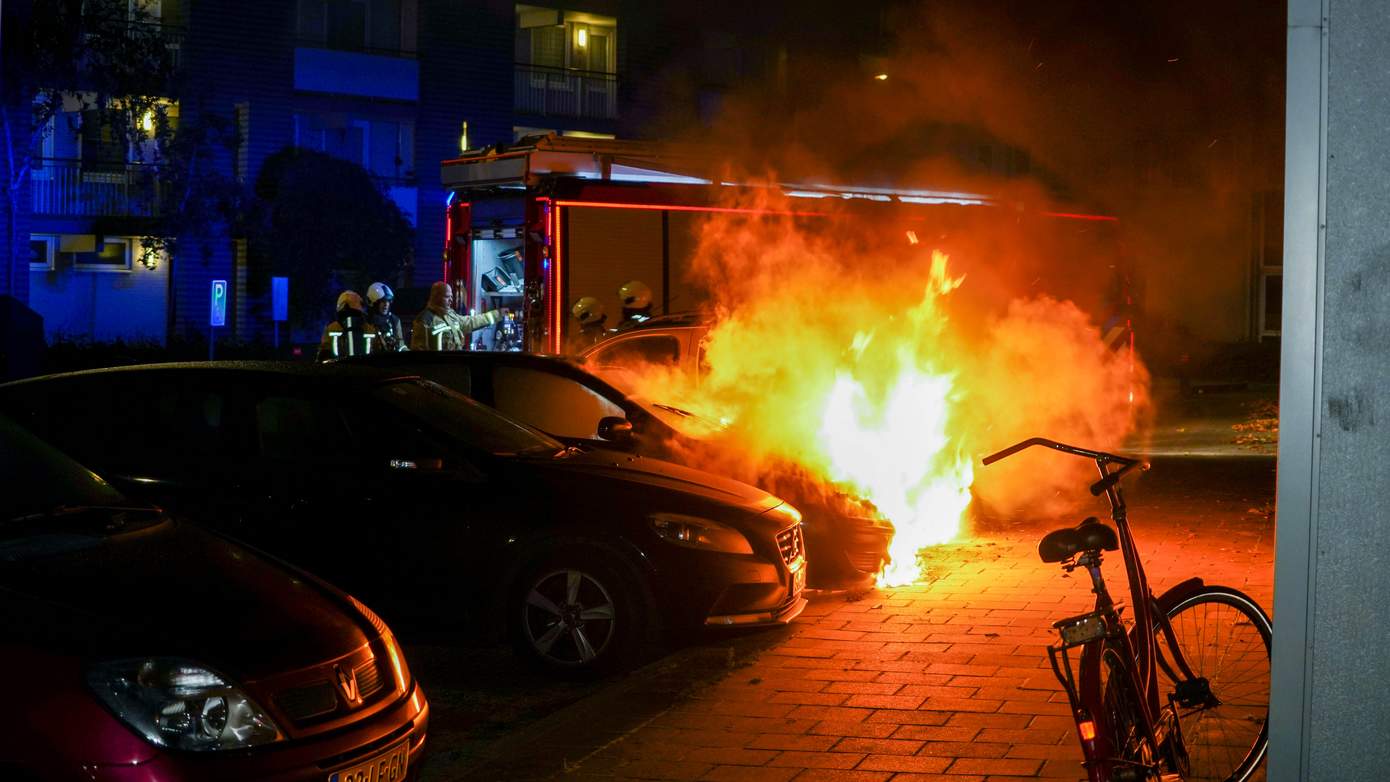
<point x="1224" y="638"/>
<point x="1128" y="740"/>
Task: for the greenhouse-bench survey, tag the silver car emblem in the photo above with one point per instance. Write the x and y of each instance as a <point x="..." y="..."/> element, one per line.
<point x="347" y="684"/>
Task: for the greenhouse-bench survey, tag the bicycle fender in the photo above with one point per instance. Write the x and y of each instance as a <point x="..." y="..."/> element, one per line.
<point x="1179" y="592"/>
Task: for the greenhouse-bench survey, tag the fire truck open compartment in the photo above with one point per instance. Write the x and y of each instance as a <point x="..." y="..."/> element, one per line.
<point x="564" y="218"/>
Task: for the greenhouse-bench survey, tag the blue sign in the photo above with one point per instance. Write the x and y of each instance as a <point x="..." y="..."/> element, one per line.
<point x="279" y="299"/>
<point x="218" y="315"/>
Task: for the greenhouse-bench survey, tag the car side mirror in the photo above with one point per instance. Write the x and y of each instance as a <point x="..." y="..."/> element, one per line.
<point x="616" y="430"/>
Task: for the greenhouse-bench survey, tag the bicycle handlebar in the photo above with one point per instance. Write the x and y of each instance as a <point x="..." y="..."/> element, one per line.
<point x="1101" y="458"/>
<point x="1113" y="478"/>
<point x="1063" y="447"/>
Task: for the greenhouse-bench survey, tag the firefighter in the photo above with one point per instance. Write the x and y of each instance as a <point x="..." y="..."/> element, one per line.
<point x="387" y="325"/>
<point x="349" y="334"/>
<point x="592" y="320"/>
<point x="637" y="302"/>
<point x="438" y="327"/>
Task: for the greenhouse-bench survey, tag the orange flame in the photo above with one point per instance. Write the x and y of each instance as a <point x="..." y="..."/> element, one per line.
<point x="867" y="382"/>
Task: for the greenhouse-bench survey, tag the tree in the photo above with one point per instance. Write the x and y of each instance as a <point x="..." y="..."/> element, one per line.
<point x="106" y="58"/>
<point x="195" y="191"/>
<point x="325" y="223"/>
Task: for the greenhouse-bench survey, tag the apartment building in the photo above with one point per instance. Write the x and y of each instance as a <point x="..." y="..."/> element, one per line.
<point x="393" y="85"/>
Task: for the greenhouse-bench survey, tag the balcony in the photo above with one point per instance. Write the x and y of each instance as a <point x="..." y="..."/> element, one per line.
<point x="70" y="188"/>
<point x="172" y="36"/>
<point x="564" y="92"/>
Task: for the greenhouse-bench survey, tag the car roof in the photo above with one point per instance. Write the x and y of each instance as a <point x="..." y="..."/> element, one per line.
<point x="672" y="320"/>
<point x="308" y="372"/>
<point x="542" y="362"/>
<point x="416" y="357"/>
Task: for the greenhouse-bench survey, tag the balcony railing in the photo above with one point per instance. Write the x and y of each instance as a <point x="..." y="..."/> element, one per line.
<point x="70" y="188"/>
<point x="562" y="92"/>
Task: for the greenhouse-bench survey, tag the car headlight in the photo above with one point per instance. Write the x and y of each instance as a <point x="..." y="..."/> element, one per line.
<point x="180" y="704"/>
<point x="694" y="532"/>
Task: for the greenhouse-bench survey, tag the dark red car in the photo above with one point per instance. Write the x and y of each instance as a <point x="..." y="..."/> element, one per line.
<point x="138" y="647"/>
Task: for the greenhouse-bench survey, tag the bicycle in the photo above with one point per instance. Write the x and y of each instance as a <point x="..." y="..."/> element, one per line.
<point x="1204" y="647"/>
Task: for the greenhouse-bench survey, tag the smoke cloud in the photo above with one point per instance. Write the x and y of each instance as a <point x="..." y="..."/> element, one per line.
<point x="880" y="351"/>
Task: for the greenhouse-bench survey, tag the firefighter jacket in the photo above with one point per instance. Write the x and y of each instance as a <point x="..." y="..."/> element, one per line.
<point x="349" y="335"/>
<point x="444" y="329"/>
<point x="388" y="329"/>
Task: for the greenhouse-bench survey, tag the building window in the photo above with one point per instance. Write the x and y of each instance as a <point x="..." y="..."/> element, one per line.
<point x="41" y="252"/>
<point x="377" y="26"/>
<point x="114" y="255"/>
<point x="1271" y="302"/>
<point x="384" y="147"/>
<point x="551" y="38"/>
<point x="1267" y="233"/>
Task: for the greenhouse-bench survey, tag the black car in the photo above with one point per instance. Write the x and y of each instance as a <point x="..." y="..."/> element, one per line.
<point x="139" y="646"/>
<point x="437" y="509"/>
<point x="844" y="544"/>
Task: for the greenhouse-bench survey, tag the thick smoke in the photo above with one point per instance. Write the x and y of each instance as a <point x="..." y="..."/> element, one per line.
<point x="1146" y="115"/>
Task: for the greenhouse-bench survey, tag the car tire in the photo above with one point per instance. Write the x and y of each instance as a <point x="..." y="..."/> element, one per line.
<point x="581" y="611"/>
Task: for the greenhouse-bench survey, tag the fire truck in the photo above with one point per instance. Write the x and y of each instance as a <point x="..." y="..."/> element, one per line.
<point x="535" y="225"/>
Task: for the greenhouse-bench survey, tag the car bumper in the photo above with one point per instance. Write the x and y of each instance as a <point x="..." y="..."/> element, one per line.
<point x="735" y="590"/>
<point x="780" y="615"/>
<point x="313" y="760"/>
<point x="843" y="547"/>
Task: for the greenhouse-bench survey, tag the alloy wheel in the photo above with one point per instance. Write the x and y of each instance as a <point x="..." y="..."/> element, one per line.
<point x="569" y="618"/>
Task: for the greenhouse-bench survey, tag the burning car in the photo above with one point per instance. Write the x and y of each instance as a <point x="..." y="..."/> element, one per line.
<point x="442" y="511"/>
<point x="561" y="398"/>
<point x="149" y="648"/>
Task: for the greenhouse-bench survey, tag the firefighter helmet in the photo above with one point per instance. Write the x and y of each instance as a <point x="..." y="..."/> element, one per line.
<point x="588" y="310"/>
<point x="635" y="295"/>
<point x="349" y="300"/>
<point x="378" y="291"/>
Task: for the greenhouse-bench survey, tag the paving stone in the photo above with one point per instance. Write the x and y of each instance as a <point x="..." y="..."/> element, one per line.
<point x="996" y="766"/>
<point x="878" y="746"/>
<point x="841" y="775"/>
<point x="750" y="774"/>
<point x="914" y="763"/>
<point x="799" y="759"/>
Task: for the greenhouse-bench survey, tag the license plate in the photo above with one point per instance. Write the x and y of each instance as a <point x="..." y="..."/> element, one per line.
<point x="389" y="766"/>
<point x="798" y="580"/>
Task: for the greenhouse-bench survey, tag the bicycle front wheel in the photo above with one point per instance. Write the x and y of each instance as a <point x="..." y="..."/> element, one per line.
<point x="1223" y="710"/>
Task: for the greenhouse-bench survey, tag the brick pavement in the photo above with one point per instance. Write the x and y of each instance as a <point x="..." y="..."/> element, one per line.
<point x="946" y="680"/>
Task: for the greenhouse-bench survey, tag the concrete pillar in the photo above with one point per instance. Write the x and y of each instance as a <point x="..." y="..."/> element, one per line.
<point x="1332" y="575"/>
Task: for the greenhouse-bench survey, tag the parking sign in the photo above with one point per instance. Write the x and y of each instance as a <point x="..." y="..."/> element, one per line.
<point x="279" y="298"/>
<point x="218" y="314"/>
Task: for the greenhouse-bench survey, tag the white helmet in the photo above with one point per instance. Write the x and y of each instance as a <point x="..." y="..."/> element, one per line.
<point x="378" y="291"/>
<point x="588" y="310"/>
<point x="635" y="295"/>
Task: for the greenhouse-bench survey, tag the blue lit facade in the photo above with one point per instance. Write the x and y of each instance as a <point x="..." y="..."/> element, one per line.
<point x="388" y="84"/>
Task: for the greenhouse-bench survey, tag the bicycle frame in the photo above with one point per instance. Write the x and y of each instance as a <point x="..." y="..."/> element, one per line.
<point x="1137" y="647"/>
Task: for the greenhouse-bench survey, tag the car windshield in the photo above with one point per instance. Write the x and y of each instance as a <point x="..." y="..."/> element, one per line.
<point x="682" y="420"/>
<point x="39" y="484"/>
<point x="474" y="424"/>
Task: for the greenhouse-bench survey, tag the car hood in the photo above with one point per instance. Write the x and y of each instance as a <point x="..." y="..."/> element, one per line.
<point x="655" y="473"/>
<point x="174" y="589"/>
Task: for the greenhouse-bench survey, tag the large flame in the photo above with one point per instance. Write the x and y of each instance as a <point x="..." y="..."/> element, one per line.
<point x="887" y="438"/>
<point x="870" y="385"/>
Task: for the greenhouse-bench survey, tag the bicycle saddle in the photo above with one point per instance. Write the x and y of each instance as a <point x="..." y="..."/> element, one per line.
<point x="1089" y="535"/>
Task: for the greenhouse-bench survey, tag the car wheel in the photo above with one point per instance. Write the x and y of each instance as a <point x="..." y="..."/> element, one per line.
<point x="582" y="612"/>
